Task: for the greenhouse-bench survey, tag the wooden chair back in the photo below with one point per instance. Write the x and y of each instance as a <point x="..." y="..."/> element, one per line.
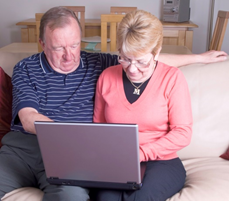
<point x="113" y="20"/>
<point x="79" y="12"/>
<point x="38" y="17"/>
<point x="219" y="30"/>
<point x="121" y="10"/>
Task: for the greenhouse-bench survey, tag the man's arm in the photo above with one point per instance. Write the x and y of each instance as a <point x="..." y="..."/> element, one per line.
<point x="179" y="60"/>
<point x="28" y="116"/>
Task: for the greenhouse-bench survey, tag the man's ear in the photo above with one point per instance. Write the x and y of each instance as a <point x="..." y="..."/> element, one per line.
<point x="42" y="43"/>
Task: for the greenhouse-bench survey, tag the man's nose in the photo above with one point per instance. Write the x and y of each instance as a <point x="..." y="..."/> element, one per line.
<point x="67" y="54"/>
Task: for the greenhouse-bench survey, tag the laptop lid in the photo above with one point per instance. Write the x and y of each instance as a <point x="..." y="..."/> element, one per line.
<point x="90" y="154"/>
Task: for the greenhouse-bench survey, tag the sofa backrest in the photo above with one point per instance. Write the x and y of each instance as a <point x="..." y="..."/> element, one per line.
<point x="209" y="89"/>
<point x="8" y="60"/>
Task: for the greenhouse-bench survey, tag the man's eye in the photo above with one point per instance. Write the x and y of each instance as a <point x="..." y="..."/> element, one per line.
<point x="58" y="48"/>
<point x="75" y="45"/>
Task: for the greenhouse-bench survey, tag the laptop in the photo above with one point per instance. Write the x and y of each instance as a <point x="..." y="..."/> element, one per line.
<point x="91" y="155"/>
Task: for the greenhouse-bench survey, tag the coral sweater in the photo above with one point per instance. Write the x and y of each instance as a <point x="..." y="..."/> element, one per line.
<point x="162" y="112"/>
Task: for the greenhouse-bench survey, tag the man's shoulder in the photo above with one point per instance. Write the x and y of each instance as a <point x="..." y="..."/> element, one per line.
<point x="95" y="56"/>
<point x="28" y="62"/>
<point x="86" y="55"/>
<point x="30" y="59"/>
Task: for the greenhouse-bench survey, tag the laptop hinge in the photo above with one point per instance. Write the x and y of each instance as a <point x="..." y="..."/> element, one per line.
<point x="53" y="177"/>
<point x="134" y="185"/>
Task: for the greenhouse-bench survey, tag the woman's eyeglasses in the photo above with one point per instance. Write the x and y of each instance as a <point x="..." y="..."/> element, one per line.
<point x="125" y="62"/>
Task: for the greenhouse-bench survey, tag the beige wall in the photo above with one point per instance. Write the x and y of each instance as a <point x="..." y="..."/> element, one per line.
<point x="12" y="11"/>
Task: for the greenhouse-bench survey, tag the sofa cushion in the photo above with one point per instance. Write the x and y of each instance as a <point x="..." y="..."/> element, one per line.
<point x="207" y="180"/>
<point x="5" y="103"/>
<point x="208" y="85"/>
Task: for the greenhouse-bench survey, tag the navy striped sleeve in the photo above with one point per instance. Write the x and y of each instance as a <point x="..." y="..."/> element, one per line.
<point x="24" y="94"/>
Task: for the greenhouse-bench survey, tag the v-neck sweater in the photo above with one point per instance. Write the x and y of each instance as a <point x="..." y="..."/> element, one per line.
<point x="163" y="111"/>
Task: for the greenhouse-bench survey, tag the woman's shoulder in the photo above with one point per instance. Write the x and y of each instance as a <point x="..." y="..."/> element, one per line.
<point x="167" y="69"/>
<point x="170" y="73"/>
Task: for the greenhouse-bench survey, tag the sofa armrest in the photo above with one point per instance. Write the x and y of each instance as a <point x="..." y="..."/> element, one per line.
<point x="208" y="86"/>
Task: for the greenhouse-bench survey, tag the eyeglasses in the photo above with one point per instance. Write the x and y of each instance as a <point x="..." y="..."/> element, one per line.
<point x="125" y="62"/>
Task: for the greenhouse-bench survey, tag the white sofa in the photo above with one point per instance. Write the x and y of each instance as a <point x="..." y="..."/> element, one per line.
<point x="207" y="173"/>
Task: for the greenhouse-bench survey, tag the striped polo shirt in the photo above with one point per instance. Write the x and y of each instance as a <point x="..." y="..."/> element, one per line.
<point x="61" y="97"/>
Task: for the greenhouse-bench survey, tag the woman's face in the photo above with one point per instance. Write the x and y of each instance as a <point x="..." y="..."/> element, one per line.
<point x="138" y="69"/>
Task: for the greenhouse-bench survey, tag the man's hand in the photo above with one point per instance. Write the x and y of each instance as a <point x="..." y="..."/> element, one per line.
<point x="28" y="116"/>
<point x="212" y="56"/>
<point x="179" y="60"/>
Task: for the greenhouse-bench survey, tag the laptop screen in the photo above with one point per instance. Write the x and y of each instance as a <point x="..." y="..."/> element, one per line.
<point x="90" y="154"/>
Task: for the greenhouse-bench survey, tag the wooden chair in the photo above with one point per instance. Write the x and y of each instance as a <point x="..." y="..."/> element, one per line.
<point x="80" y="14"/>
<point x="78" y="10"/>
<point x="219" y="30"/>
<point x="97" y="39"/>
<point x="113" y="20"/>
<point x="38" y="17"/>
<point x="121" y="10"/>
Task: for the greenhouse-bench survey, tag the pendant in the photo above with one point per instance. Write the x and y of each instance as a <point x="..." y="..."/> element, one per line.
<point x="136" y="91"/>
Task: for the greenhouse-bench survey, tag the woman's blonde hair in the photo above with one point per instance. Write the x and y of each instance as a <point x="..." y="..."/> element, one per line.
<point x="139" y="32"/>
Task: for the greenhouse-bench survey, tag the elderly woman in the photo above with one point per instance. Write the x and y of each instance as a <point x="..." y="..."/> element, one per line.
<point x="155" y="96"/>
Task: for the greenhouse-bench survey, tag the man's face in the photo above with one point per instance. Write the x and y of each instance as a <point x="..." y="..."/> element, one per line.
<point x="62" y="47"/>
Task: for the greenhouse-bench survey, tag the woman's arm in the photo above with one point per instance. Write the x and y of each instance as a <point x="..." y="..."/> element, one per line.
<point x="99" y="104"/>
<point x="179" y="60"/>
<point x="177" y="102"/>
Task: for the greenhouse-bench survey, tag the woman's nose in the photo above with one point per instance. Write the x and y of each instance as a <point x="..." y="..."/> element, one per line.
<point x="132" y="68"/>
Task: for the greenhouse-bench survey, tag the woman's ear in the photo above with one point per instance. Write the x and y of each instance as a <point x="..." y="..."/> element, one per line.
<point x="157" y="54"/>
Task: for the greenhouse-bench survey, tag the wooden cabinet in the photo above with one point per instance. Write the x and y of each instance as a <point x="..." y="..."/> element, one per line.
<point x="174" y="33"/>
<point x="28" y="32"/>
<point x="178" y="33"/>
